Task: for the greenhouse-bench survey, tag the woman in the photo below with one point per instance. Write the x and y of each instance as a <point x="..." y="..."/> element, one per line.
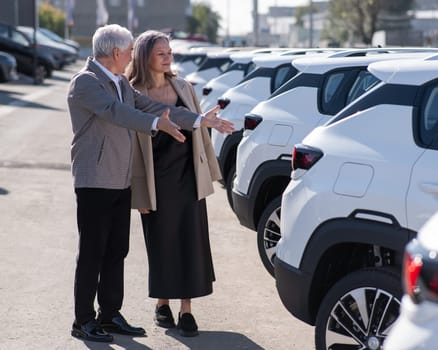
<point x="169" y="186"/>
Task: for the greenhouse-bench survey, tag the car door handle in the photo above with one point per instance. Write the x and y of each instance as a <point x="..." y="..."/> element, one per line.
<point x="430" y="188"/>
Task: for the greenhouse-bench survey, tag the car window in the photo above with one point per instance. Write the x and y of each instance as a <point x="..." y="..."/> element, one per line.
<point x="430" y="116"/>
<point x="19" y="38"/>
<point x="224" y="66"/>
<point x="237" y="66"/>
<point x="426" y="115"/>
<point x="220" y="63"/>
<point x="335" y="89"/>
<point x="298" y="80"/>
<point x="250" y="68"/>
<point x="332" y="84"/>
<point x="256" y="73"/>
<point x="364" y="82"/>
<point x="280" y="76"/>
<point x="197" y="59"/>
<point x="3" y="32"/>
<point x="40" y="37"/>
<point x="177" y="57"/>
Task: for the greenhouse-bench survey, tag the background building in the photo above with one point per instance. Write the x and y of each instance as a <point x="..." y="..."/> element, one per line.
<point x="87" y="15"/>
<point x="137" y="15"/>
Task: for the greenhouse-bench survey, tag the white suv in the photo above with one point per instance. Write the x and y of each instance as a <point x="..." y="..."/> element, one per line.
<point x="321" y="89"/>
<point x="270" y="73"/>
<point x="213" y="65"/>
<point x="241" y="66"/>
<point x="362" y="185"/>
<point x="187" y="62"/>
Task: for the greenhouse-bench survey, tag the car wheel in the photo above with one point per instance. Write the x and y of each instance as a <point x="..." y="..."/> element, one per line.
<point x="49" y="72"/>
<point x="359" y="310"/>
<point x="268" y="233"/>
<point x="3" y="76"/>
<point x="40" y="74"/>
<point x="229" y="185"/>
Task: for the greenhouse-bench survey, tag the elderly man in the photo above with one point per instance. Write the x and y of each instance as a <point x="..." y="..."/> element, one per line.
<point x="105" y="112"/>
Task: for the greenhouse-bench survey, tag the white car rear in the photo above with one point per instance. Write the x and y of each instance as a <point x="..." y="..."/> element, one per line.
<point x="320" y="90"/>
<point x="361" y="188"/>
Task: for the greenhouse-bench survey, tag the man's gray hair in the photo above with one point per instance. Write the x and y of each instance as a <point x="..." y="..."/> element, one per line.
<point x="109" y="37"/>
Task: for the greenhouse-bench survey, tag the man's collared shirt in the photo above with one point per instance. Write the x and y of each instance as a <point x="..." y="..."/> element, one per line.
<point x="114" y="77"/>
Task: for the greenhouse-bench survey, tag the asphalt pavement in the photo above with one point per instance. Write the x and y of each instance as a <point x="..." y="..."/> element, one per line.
<point x="38" y="246"/>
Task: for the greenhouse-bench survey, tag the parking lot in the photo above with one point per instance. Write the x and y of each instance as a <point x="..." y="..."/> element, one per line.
<point x="38" y="247"/>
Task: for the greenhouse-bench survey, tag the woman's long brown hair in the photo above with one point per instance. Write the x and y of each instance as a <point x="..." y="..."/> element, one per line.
<point x="138" y="70"/>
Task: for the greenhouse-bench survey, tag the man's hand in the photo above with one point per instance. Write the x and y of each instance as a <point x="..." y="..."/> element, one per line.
<point x="166" y="125"/>
<point x="211" y="120"/>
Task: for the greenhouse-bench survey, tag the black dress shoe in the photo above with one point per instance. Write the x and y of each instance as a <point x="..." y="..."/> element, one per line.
<point x="187" y="325"/>
<point x="91" y="331"/>
<point x="119" y="325"/>
<point x="163" y="317"/>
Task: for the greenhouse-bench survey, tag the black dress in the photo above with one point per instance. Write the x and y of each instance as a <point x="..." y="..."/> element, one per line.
<point x="176" y="234"/>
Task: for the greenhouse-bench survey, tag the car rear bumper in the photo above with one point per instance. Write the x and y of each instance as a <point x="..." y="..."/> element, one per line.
<point x="293" y="287"/>
<point x="243" y="207"/>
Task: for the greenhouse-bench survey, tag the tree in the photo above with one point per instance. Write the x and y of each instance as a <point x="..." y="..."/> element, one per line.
<point x="303" y="11"/>
<point x="51" y="18"/>
<point x="204" y="21"/>
<point x="360" y="19"/>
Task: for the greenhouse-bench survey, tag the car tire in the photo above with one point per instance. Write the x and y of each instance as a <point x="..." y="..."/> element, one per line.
<point x="40" y="74"/>
<point x="343" y="319"/>
<point x="49" y="71"/>
<point x="229" y="185"/>
<point x="268" y="233"/>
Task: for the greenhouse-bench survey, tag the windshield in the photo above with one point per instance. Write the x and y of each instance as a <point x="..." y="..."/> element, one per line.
<point x="40" y="38"/>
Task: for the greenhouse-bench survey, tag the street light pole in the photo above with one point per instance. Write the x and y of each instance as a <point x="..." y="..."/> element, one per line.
<point x="228" y="23"/>
<point x="35" y="27"/>
<point x="255" y="16"/>
<point x="311" y="23"/>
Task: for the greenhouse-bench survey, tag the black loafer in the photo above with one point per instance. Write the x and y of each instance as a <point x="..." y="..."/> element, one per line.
<point x="119" y="325"/>
<point x="187" y="325"/>
<point x="163" y="317"/>
<point x="91" y="331"/>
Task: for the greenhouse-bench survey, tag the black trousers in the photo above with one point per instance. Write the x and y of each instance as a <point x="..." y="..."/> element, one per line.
<point x="103" y="217"/>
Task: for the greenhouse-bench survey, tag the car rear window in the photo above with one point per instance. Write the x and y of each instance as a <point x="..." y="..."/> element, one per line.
<point x="220" y="63"/>
<point x="428" y="116"/>
<point x="363" y="83"/>
<point x="282" y="74"/>
<point x="341" y="87"/>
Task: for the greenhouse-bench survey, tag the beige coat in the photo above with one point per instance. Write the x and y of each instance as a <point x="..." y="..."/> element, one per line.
<point x="205" y="162"/>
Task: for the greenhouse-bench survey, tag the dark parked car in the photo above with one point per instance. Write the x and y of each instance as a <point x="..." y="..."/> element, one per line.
<point x="17" y="44"/>
<point x="8" y="67"/>
<point x="55" y="37"/>
<point x="62" y="53"/>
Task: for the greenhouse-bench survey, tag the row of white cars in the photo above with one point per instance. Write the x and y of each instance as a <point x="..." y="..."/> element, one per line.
<point x="334" y="165"/>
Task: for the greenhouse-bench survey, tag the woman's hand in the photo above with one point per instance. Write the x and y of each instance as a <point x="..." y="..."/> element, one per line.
<point x="211" y="120"/>
<point x="143" y="211"/>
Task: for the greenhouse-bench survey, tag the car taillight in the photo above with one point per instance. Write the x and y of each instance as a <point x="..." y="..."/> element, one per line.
<point x="304" y="157"/>
<point x="223" y="102"/>
<point x="251" y="121"/>
<point x="412" y="269"/>
<point x="206" y="91"/>
<point x="420" y="273"/>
